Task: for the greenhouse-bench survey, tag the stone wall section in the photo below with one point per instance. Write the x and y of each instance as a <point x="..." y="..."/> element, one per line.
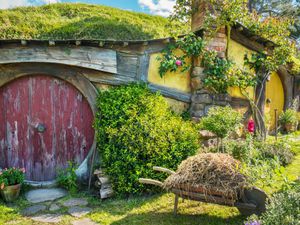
<point x="202" y="100"/>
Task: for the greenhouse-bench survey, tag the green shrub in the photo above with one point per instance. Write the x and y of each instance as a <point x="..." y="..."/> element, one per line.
<point x="261" y="172"/>
<point x="283" y="209"/>
<point x="280" y="149"/>
<point x="135" y="131"/>
<point x="221" y="121"/>
<point x="290" y="116"/>
<point x="240" y="149"/>
<point x="67" y="178"/>
<point x="250" y="149"/>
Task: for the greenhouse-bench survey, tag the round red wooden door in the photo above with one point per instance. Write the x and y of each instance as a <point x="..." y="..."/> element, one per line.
<point x="44" y="123"/>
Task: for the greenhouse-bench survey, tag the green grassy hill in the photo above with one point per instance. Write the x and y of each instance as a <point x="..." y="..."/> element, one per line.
<point x="79" y="21"/>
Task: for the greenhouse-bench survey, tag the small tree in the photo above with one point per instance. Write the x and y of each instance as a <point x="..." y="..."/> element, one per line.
<point x="221" y="121"/>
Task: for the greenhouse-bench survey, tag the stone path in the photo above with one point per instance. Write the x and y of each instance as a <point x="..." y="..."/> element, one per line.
<point x="45" y="195"/>
<point x="85" y="221"/>
<point x="78" y="211"/>
<point x="31" y="210"/>
<point x="48" y="218"/>
<point x="54" y="207"/>
<point x="46" y="200"/>
<point x="75" y="202"/>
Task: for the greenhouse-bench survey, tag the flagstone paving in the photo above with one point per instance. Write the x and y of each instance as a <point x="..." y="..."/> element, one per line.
<point x="78" y="211"/>
<point x="48" y="218"/>
<point x="75" y="202"/>
<point x="45" y="195"/>
<point x="31" y="210"/>
<point x="76" y="207"/>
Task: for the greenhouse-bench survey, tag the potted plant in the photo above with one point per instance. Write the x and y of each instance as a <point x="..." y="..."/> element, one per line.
<point x="289" y="120"/>
<point x="10" y="183"/>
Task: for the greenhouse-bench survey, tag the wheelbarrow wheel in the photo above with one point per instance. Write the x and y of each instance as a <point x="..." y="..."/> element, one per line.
<point x="254" y="196"/>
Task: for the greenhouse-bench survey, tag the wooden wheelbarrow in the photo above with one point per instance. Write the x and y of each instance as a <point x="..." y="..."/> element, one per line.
<point x="252" y="202"/>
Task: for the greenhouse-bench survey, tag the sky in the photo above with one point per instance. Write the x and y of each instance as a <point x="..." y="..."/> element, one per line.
<point x="155" y="7"/>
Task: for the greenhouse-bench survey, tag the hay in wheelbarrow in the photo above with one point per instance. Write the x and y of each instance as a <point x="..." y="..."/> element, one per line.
<point x="211" y="174"/>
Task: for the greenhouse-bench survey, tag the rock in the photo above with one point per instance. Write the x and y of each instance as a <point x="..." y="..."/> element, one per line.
<point x="54" y="207"/>
<point x="197" y="107"/>
<point x="77" y="211"/>
<point x="198" y="71"/>
<point x="48" y="218"/>
<point x="206" y="135"/>
<point x="198" y="114"/>
<point x="75" y="202"/>
<point x="85" y="221"/>
<point x="207" y="108"/>
<point x="210" y="142"/>
<point x="31" y="210"/>
<point x="196" y="83"/>
<point x="202" y="98"/>
<point x="44" y="195"/>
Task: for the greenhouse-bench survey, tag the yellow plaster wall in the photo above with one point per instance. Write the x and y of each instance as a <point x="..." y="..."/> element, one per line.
<point x="236" y="53"/>
<point x="274" y="92"/>
<point x="274" y="88"/>
<point x="177" y="80"/>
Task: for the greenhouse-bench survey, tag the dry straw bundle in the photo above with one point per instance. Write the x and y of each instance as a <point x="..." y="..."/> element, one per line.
<point x="209" y="173"/>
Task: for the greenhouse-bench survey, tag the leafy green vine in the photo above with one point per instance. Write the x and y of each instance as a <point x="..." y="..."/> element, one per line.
<point x="224" y="73"/>
<point x="220" y="73"/>
<point x="175" y="55"/>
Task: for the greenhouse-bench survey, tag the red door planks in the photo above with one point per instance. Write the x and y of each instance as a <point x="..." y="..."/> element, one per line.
<point x="44" y="123"/>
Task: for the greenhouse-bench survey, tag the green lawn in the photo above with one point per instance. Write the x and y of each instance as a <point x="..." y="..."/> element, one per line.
<point x="157" y="209"/>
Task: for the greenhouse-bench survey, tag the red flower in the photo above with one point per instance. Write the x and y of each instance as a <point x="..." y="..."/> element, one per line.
<point x="251" y="126"/>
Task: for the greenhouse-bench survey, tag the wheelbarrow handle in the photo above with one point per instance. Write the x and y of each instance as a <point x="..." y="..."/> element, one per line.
<point x="162" y="169"/>
<point x="151" y="181"/>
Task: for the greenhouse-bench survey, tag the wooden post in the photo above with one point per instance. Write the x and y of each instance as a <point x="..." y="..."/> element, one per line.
<point x="176" y="204"/>
<point x="276" y="124"/>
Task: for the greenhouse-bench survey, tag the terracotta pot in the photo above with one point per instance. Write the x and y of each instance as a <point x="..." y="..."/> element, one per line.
<point x="11" y="193"/>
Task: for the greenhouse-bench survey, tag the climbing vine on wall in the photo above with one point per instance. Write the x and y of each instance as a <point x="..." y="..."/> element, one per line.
<point x="175" y="55"/>
<point x="223" y="73"/>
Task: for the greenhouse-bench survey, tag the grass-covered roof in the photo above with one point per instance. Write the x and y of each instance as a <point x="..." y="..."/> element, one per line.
<point x="79" y="21"/>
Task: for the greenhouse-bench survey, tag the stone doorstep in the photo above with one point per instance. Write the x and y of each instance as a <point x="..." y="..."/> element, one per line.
<point x="45" y="195"/>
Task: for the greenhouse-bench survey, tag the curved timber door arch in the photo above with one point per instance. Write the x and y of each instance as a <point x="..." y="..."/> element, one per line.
<point x="44" y="123"/>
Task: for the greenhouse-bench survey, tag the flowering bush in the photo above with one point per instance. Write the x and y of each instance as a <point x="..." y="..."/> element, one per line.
<point x="11" y="176"/>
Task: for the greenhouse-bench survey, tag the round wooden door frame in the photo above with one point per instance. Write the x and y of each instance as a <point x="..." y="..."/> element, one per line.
<point x="74" y="76"/>
<point x="287" y="81"/>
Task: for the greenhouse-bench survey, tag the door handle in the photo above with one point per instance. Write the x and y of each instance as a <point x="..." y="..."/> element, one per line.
<point x="41" y="128"/>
